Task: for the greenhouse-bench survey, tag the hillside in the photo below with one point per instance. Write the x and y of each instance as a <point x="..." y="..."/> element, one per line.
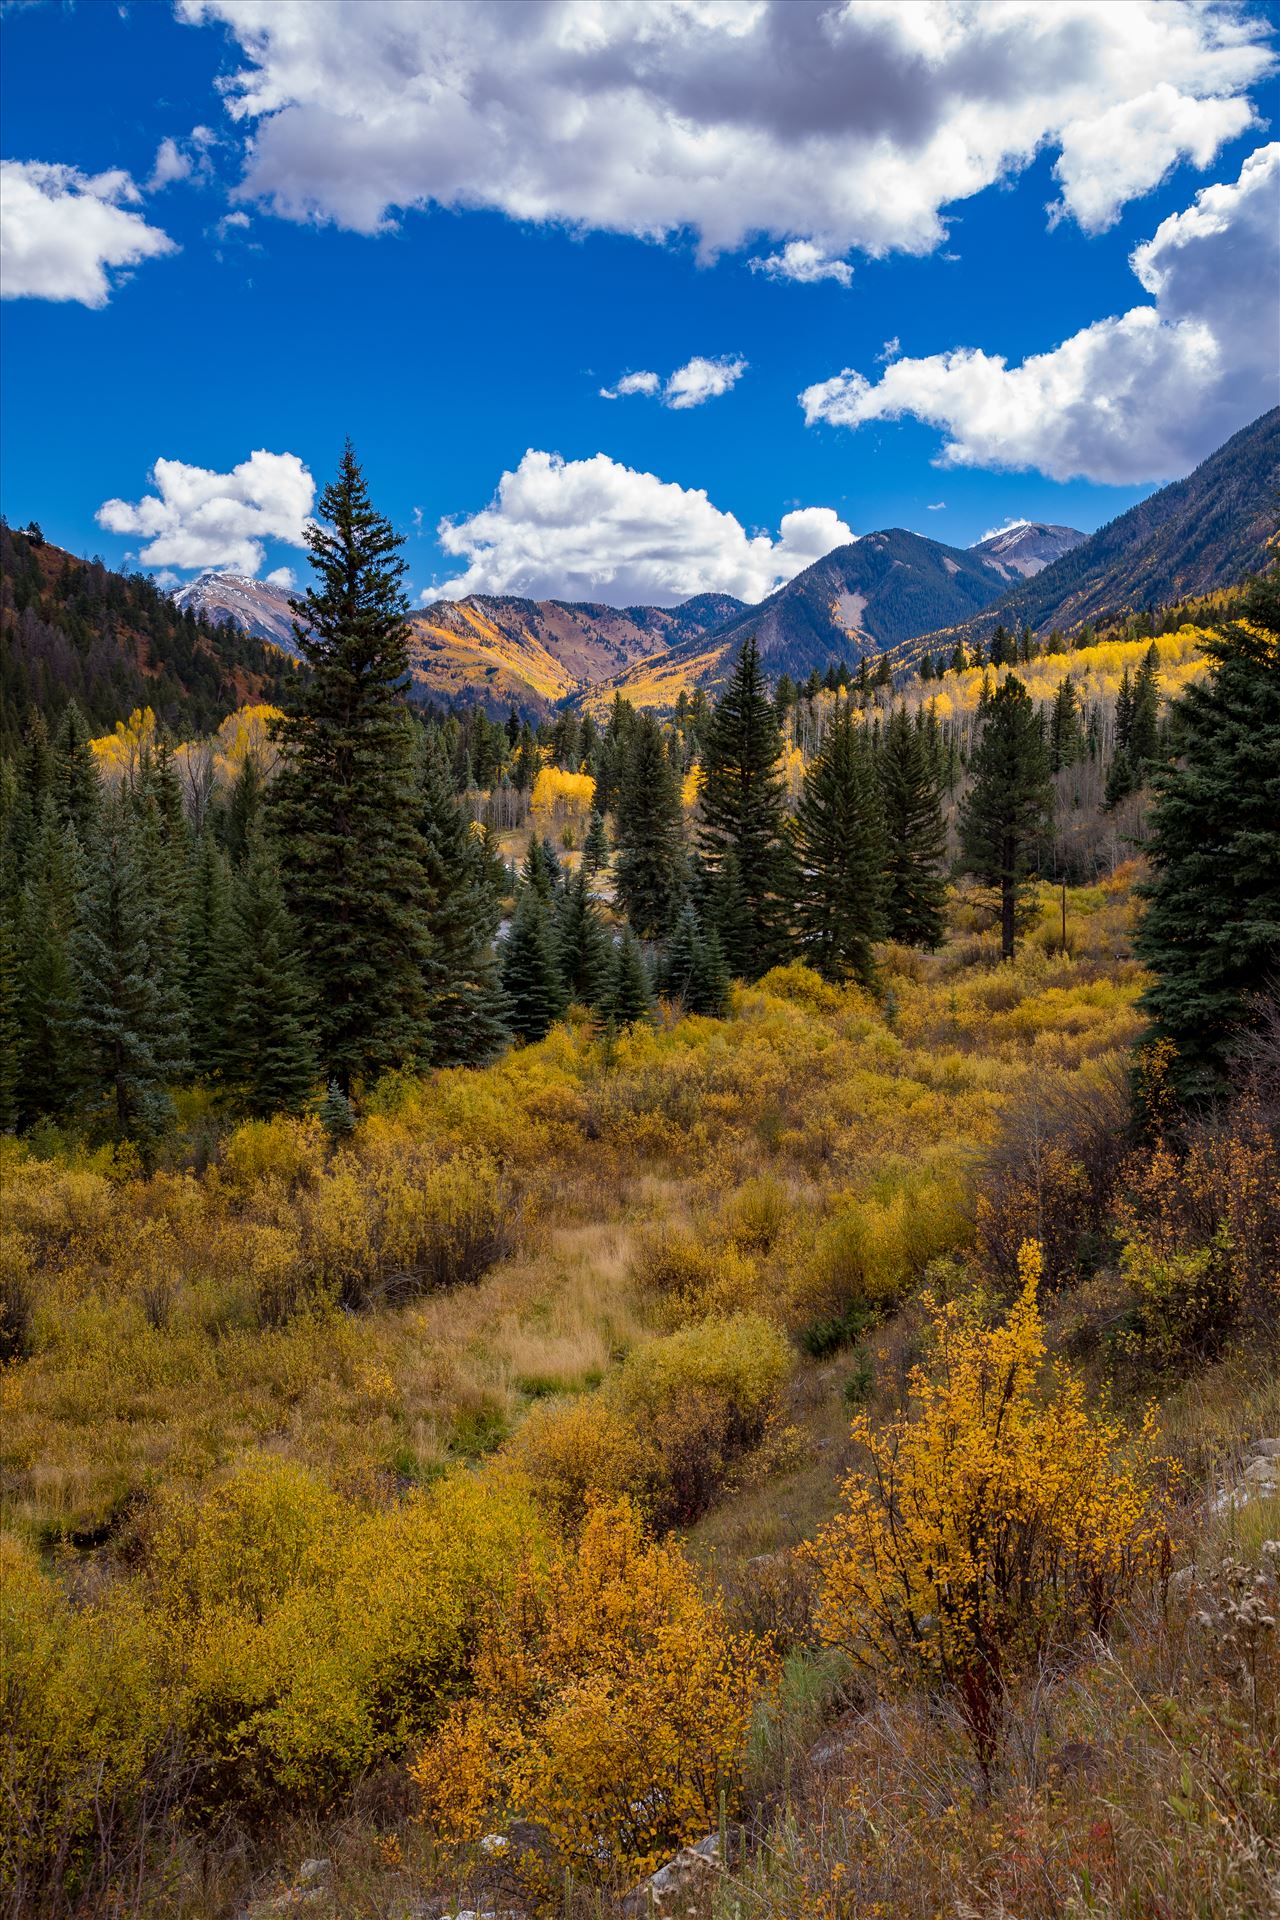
<point x="1027" y="547"/>
<point x="74" y="630"/>
<point x="1195" y="537"/>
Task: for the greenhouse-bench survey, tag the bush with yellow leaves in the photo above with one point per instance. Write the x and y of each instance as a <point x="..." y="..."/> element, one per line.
<point x="997" y="1519"/>
<point x="611" y="1712"/>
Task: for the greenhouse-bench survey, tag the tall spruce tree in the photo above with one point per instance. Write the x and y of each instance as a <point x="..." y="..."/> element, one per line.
<point x="346" y="805"/>
<point x="1009" y="807"/>
<point x="76" y="786"/>
<point x="464" y="991"/>
<point x="47" y="921"/>
<point x="915" y="890"/>
<point x="630" y="996"/>
<point x="742" y="804"/>
<point x="1211" y="931"/>
<point x="532" y="983"/>
<point x="649" y="875"/>
<point x="210" y="982"/>
<point x="130" y="1045"/>
<point x="595" y="848"/>
<point x="582" y="944"/>
<point x="267" y="1052"/>
<point x="840" y="855"/>
<point x="1066" y="735"/>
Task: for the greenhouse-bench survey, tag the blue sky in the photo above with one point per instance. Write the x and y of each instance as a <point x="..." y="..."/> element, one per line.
<point x="466" y="333"/>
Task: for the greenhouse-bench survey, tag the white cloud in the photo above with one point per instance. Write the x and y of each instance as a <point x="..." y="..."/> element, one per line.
<point x="631" y="383"/>
<point x="1008" y="526"/>
<point x="805" y="261"/>
<point x="282" y="577"/>
<point x="838" y="125"/>
<point x="171" y="164"/>
<point x="699" y="380"/>
<point x="197" y="518"/>
<point x="597" y="530"/>
<point x="61" y="230"/>
<point x="1142" y="396"/>
<point x="935" y="506"/>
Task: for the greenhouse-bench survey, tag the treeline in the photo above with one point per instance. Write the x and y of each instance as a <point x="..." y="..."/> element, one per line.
<point x="73" y="631"/>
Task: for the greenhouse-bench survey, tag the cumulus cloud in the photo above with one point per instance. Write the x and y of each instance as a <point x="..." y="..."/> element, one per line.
<point x="197" y="518"/>
<point x="845" y="126"/>
<point x="805" y="261"/>
<point x="282" y="577"/>
<point x="689" y="386"/>
<point x="171" y="164"/>
<point x="61" y="231"/>
<point x="1142" y="396"/>
<point x="1008" y="526"/>
<point x="632" y="383"/>
<point x="597" y="530"/>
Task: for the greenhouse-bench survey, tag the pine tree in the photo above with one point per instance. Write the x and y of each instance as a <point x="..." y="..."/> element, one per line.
<point x="335" y="1114"/>
<point x="630" y="997"/>
<point x="1144" y="722"/>
<point x="915" y="839"/>
<point x="541" y="869"/>
<point x="47" y="1082"/>
<point x="1010" y="804"/>
<point x="595" y="848"/>
<point x="694" y="972"/>
<point x="742" y="804"/>
<point x="10" y="1019"/>
<point x="582" y="945"/>
<point x="464" y="992"/>
<point x="840" y="854"/>
<point x="649" y="875"/>
<point x="1066" y="736"/>
<point x="76" y="787"/>
<point x="165" y="853"/>
<point x="128" y="1048"/>
<point x="531" y="980"/>
<point x="345" y="804"/>
<point x="267" y="1052"/>
<point x="1211" y="931"/>
<point x="209" y="961"/>
<point x="244" y="809"/>
<point x="709" y="987"/>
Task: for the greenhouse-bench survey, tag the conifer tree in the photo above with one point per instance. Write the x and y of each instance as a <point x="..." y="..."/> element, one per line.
<point x="267" y="1054"/>
<point x="709" y="987"/>
<point x="694" y="972"/>
<point x="244" y="808"/>
<point x="76" y="786"/>
<point x="165" y="854"/>
<point x="129" y="1045"/>
<point x="47" y="1082"/>
<point x="595" y="848"/>
<point x="840" y="854"/>
<point x="915" y="839"/>
<point x="209" y="961"/>
<point x="1211" y="931"/>
<point x="630" y="997"/>
<point x="531" y="980"/>
<point x="10" y="1019"/>
<point x="345" y="805"/>
<point x="541" y="869"/>
<point x="742" y="804"/>
<point x="464" y="992"/>
<point x="1010" y="804"/>
<point x="1066" y="736"/>
<point x="582" y="944"/>
<point x="649" y="874"/>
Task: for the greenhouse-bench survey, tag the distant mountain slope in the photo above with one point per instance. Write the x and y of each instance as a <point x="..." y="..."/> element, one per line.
<point x="232" y="599"/>
<point x="72" y="630"/>
<point x="1202" y="533"/>
<point x="498" y="650"/>
<point x="1027" y="547"/>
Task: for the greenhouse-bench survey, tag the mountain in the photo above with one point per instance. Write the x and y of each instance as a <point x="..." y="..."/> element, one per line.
<point x="1027" y="547"/>
<point x="1194" y="537"/>
<point x="73" y="630"/>
<point x="232" y="599"/>
<point x="501" y="651"/>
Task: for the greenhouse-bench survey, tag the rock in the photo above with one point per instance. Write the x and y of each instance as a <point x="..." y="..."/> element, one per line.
<point x="663" y="1892"/>
<point x="312" y="1870"/>
<point x="1263" y="1472"/>
<point x="1267" y="1449"/>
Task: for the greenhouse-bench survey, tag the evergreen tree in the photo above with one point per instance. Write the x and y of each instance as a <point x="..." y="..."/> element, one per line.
<point x="915" y="891"/>
<point x="541" y="869"/>
<point x="531" y="979"/>
<point x="10" y="1019"/>
<point x="582" y="944"/>
<point x="267" y="1052"/>
<point x="1144" y="722"/>
<point x="595" y="848"/>
<point x="129" y="1047"/>
<point x="649" y="876"/>
<point x="464" y="992"/>
<point x="209" y="983"/>
<point x="709" y="987"/>
<point x="840" y="853"/>
<point x="165" y="855"/>
<point x="47" y="1081"/>
<point x="694" y="972"/>
<point x="742" y="802"/>
<point x="1211" y="932"/>
<point x="630" y="997"/>
<point x="244" y="808"/>
<point x="335" y="1113"/>
<point x="1010" y="804"/>
<point x="76" y="786"/>
<point x="346" y="804"/>
<point x="729" y="914"/>
<point x="1066" y="736"/>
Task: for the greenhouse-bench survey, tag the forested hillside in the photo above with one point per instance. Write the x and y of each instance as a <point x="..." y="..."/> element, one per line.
<point x="674" y="1314"/>
<point x="74" y="631"/>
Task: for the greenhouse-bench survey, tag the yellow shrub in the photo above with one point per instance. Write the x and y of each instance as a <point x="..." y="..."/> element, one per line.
<point x="870" y="1253"/>
<point x="577" y="1450"/>
<point x="686" y="1278"/>
<point x="612" y="1708"/>
<point x="992" y="1521"/>
<point x="291" y="1151"/>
